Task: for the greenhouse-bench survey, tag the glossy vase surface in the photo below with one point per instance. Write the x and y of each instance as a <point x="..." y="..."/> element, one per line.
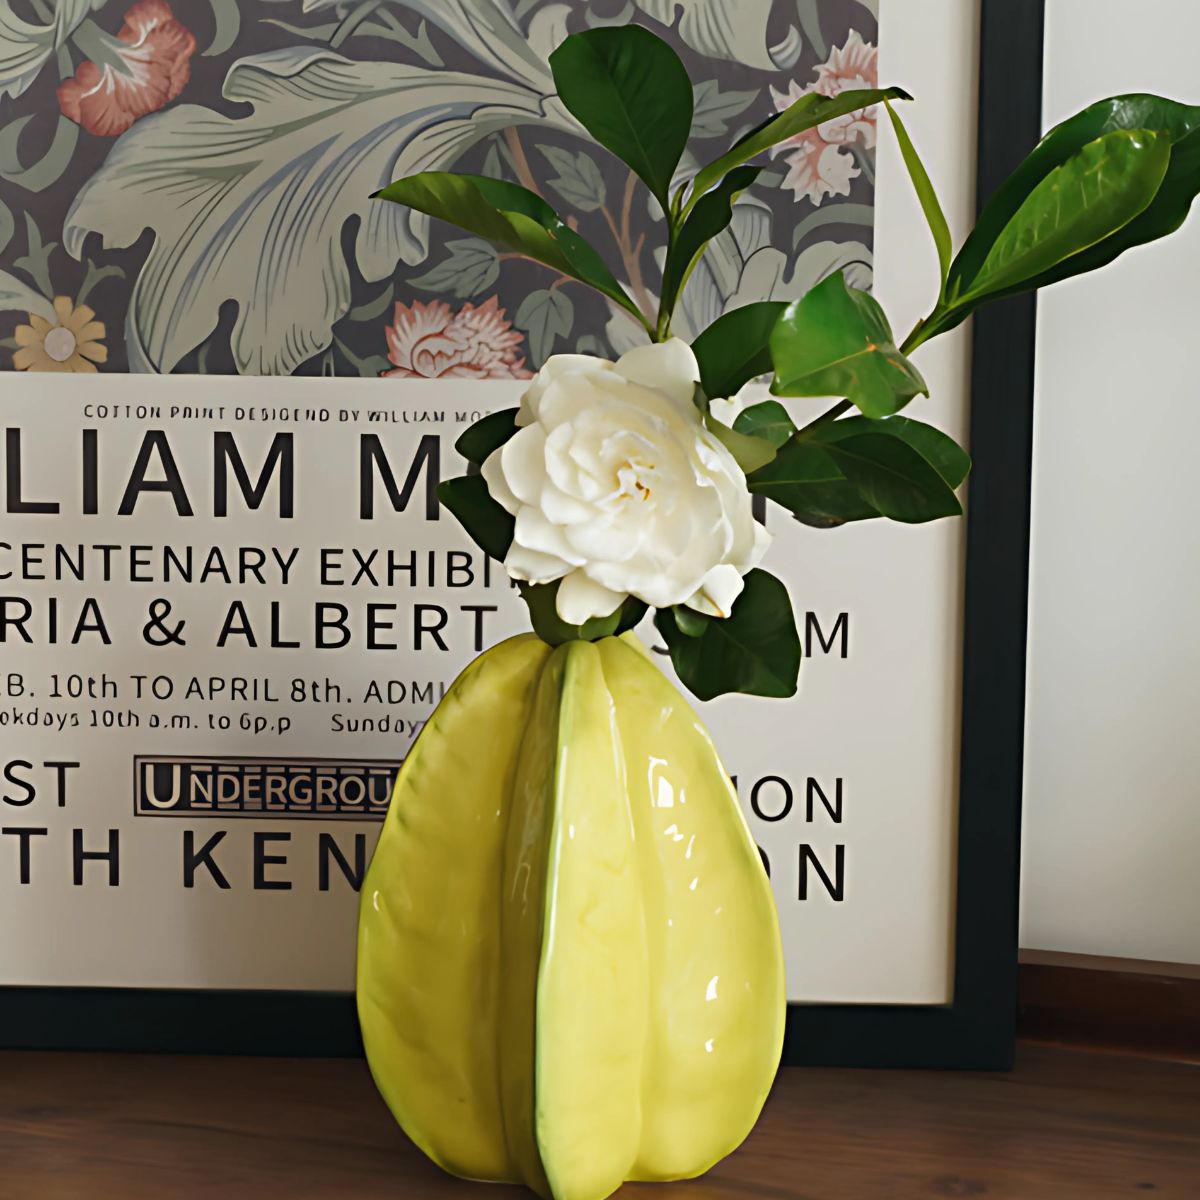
<point x="569" y="964"/>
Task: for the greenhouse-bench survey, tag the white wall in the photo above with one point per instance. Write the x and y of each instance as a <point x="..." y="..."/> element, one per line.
<point x="1112" y="796"/>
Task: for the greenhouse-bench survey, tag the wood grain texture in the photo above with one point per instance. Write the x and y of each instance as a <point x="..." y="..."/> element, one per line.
<point x="1110" y="1004"/>
<point x="1066" y="1125"/>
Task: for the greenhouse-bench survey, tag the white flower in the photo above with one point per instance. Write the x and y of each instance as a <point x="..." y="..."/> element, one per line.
<point x="619" y="490"/>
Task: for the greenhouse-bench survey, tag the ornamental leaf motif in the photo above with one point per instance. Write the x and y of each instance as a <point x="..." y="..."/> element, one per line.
<point x="278" y="186"/>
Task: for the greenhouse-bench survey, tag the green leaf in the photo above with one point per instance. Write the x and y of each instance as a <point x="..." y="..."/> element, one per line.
<point x="1134" y="111"/>
<point x="767" y="420"/>
<point x="488" y="434"/>
<point x="806" y="481"/>
<point x="490" y="527"/>
<point x="836" y="341"/>
<point x="1163" y="215"/>
<point x="542" y="602"/>
<point x="749" y="450"/>
<point x="578" y="181"/>
<point x="755" y="650"/>
<point x="630" y="91"/>
<point x="923" y="186"/>
<point x="734" y="349"/>
<point x="1096" y="191"/>
<point x="893" y="477"/>
<point x="806" y="113"/>
<point x="938" y="449"/>
<point x="472" y="266"/>
<point x="511" y="216"/>
<point x="711" y="215"/>
<point x="546" y="316"/>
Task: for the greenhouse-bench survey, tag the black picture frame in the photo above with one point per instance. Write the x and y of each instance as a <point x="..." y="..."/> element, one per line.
<point x="976" y="1030"/>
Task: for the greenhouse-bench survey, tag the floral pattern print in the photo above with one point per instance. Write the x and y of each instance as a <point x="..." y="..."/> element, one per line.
<point x="822" y="161"/>
<point x="431" y="341"/>
<point x="147" y="66"/>
<point x="71" y="343"/>
<point x="199" y="175"/>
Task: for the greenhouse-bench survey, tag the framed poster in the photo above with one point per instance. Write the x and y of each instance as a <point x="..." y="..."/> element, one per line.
<point x="228" y="598"/>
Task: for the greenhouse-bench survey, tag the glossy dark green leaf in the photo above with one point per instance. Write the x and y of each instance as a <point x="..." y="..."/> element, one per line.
<point x="755" y="650"/>
<point x="767" y="420"/>
<point x="735" y="348"/>
<point x="631" y="92"/>
<point x="808" y="112"/>
<point x="1093" y="194"/>
<point x="1134" y="111"/>
<point x="711" y="215"/>
<point x="489" y="433"/>
<point x="836" y="341"/>
<point x="511" y="216"/>
<point x="938" y="449"/>
<point x="490" y="527"/>
<point x="806" y="481"/>
<point x="1163" y="215"/>
<point x="542" y="602"/>
<point x="893" y="477"/>
<point x="935" y="218"/>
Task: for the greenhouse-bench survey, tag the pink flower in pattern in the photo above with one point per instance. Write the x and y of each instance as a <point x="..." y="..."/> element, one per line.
<point x="151" y="63"/>
<point x="430" y="341"/>
<point x="818" y="161"/>
<point x="850" y="67"/>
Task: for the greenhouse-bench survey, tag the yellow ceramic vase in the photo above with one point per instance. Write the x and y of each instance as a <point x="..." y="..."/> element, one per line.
<point x="569" y="965"/>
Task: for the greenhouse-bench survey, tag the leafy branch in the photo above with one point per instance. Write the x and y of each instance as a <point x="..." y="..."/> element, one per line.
<point x="1120" y="173"/>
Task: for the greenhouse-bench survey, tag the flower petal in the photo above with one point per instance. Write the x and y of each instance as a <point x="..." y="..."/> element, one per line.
<point x="493" y="475"/>
<point x="552" y="368"/>
<point x="669" y="366"/>
<point x="523" y="563"/>
<point x="90" y="331"/>
<point x="523" y="461"/>
<point x="535" y="532"/>
<point x="580" y="599"/>
<point x="79" y="318"/>
<point x="721" y="587"/>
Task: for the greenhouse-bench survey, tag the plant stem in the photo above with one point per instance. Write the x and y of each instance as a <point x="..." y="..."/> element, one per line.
<point x="351" y="22"/>
<point x="631" y="254"/>
<point x="920" y="333"/>
<point x="520" y="160"/>
<point x="830" y="415"/>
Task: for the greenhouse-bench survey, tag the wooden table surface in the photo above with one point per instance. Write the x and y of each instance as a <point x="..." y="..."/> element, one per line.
<point x="1065" y="1124"/>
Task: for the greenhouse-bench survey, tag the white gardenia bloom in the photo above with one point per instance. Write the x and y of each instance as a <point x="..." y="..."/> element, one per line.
<point x="619" y="490"/>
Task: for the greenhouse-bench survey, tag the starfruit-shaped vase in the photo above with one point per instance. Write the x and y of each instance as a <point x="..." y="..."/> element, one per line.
<point x="569" y="964"/>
